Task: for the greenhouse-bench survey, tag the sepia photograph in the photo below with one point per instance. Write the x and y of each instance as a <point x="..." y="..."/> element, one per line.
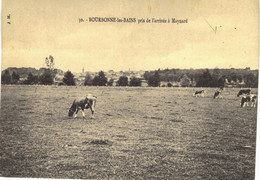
<point x="129" y="89"/>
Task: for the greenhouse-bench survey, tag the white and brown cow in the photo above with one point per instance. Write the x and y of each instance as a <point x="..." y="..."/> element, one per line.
<point x="249" y="98"/>
<point x="87" y="103"/>
<point x="217" y="94"/>
<point x="244" y="92"/>
<point x="199" y="93"/>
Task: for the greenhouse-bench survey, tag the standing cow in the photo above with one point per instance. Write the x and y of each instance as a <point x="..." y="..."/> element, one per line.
<point x="244" y="92"/>
<point x="249" y="98"/>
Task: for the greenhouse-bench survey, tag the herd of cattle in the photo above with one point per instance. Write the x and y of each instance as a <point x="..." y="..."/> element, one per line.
<point x="244" y="93"/>
<point x="90" y="101"/>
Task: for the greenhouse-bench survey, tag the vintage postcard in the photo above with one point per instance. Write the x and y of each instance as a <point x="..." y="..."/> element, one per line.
<point x="129" y="89"/>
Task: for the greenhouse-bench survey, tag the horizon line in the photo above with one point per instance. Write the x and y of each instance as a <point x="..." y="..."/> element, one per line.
<point x="133" y="70"/>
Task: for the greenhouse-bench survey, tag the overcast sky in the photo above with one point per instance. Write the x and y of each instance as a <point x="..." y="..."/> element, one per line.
<point x="40" y="28"/>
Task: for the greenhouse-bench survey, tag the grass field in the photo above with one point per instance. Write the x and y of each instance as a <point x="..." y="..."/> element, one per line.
<point x="137" y="133"/>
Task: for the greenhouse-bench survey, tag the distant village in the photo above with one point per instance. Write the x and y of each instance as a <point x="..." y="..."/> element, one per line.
<point x="80" y="77"/>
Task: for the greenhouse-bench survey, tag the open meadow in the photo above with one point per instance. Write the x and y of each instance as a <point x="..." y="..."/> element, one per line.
<point x="137" y="133"/>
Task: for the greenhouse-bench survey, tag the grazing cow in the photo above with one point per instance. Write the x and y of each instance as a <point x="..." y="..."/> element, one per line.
<point x="244" y="92"/>
<point x="249" y="98"/>
<point x="199" y="93"/>
<point x="88" y="102"/>
<point x="217" y="94"/>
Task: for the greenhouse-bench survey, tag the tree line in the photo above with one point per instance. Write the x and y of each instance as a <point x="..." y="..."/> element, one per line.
<point x="47" y="78"/>
<point x="205" y="78"/>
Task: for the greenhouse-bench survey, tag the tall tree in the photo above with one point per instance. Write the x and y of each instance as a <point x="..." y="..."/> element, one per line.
<point x="123" y="81"/>
<point x="135" y="81"/>
<point x="251" y="80"/>
<point x="6" y="77"/>
<point x="100" y="80"/>
<point x="31" y="79"/>
<point x="154" y="80"/>
<point x="88" y="80"/>
<point x="69" y="79"/>
<point x="15" y="77"/>
<point x="185" y="81"/>
<point x="216" y="75"/>
<point x="239" y="78"/>
<point x="221" y="81"/>
<point x="46" y="78"/>
<point x="205" y="80"/>
<point x="49" y="62"/>
<point x="233" y="77"/>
